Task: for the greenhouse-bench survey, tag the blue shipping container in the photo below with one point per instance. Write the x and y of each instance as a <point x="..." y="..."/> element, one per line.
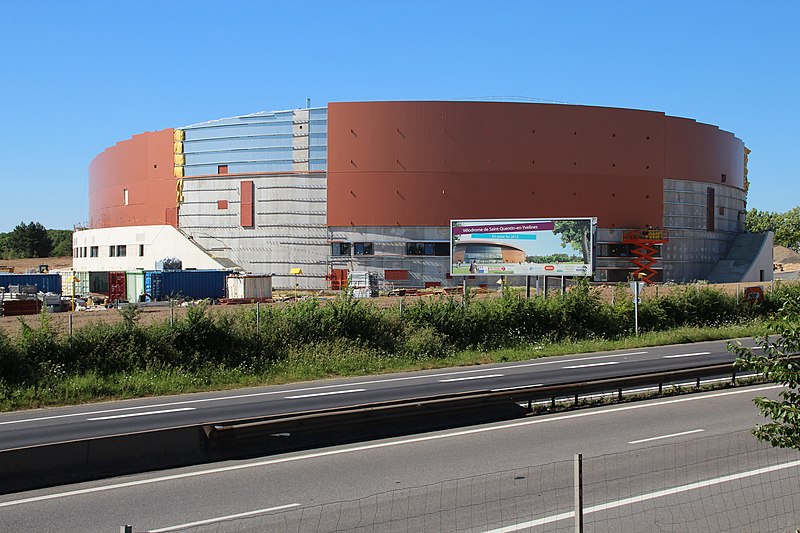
<point x="43" y="282"/>
<point x="196" y="284"/>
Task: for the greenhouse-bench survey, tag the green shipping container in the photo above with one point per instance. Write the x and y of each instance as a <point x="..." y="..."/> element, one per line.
<point x="134" y="283"/>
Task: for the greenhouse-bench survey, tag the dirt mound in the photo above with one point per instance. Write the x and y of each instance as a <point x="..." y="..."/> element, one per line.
<point x="781" y="254"/>
<point x="21" y="266"/>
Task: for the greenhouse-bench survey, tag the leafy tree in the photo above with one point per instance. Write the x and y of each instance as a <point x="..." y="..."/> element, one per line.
<point x="575" y="233"/>
<point x="777" y="362"/>
<point x="762" y="221"/>
<point x="5" y="251"/>
<point x="29" y="240"/>
<point x="788" y="233"/>
<point x="60" y="242"/>
<point x="785" y="226"/>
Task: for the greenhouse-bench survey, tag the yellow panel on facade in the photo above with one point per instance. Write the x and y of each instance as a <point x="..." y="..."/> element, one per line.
<point x="178" y="172"/>
<point x="179" y="191"/>
<point x="178" y="147"/>
<point x="180" y="159"/>
<point x="179" y="135"/>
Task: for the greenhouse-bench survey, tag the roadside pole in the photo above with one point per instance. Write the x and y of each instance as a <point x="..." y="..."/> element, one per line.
<point x="636" y="288"/>
<point x="578" y="493"/>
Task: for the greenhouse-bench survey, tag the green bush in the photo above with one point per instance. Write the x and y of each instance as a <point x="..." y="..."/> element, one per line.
<point x="344" y="336"/>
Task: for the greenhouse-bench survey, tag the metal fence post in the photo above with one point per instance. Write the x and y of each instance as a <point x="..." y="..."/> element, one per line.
<point x="258" y="317"/>
<point x="171" y="314"/>
<point x="578" y="493"/>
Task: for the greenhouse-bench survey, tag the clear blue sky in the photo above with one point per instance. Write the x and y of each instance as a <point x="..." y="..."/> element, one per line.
<point x="76" y="77"/>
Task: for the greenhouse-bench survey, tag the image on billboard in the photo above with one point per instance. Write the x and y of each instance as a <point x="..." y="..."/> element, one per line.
<point x="522" y="247"/>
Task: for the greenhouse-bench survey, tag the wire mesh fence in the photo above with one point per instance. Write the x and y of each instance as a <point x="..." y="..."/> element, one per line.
<point x="722" y="483"/>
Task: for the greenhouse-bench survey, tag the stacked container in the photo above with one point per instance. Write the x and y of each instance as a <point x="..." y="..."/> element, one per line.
<point x="249" y="286"/>
<point x="98" y="282"/>
<point x="192" y="284"/>
<point x="134" y="285"/>
<point x="116" y="286"/>
<point x="82" y="285"/>
<point x="363" y="284"/>
<point x="43" y="282"/>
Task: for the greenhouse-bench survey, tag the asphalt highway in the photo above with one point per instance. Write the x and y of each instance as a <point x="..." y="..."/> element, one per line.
<point x="43" y="426"/>
<point x="690" y="455"/>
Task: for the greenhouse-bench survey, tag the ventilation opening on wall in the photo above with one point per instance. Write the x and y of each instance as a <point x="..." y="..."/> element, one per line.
<point x="222" y="169"/>
<point x="124" y="196"/>
<point x="724" y="178"/>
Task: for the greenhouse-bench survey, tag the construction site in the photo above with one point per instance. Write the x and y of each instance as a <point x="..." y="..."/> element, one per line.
<point x="372" y="187"/>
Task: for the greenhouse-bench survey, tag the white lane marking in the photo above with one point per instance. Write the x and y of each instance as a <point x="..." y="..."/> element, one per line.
<point x="686" y="355"/>
<point x="223" y="518"/>
<point x="667" y="436"/>
<point x="521" y="387"/>
<point x="322" y="387"/>
<point x="147" y="413"/>
<point x="329" y="393"/>
<point x="364" y="447"/>
<point x="470" y="377"/>
<point x="593" y="364"/>
<point x="648" y="496"/>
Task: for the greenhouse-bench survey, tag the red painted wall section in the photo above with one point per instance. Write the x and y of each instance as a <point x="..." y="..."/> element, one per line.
<point x="144" y="166"/>
<point x="246" y="204"/>
<point x="702" y="152"/>
<point x="424" y="163"/>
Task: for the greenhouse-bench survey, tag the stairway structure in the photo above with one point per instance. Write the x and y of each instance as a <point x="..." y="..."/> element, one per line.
<point x="749" y="259"/>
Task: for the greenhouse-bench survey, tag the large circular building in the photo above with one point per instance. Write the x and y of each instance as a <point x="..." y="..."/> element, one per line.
<point x="374" y="185"/>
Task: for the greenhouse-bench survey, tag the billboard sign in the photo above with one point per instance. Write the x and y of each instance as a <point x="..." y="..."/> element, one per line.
<point x="522" y="247"/>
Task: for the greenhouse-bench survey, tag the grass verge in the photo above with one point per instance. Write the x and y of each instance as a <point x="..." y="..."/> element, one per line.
<point x="315" y="361"/>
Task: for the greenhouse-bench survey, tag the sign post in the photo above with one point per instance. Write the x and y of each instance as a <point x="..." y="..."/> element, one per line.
<point x="296" y="272"/>
<point x="636" y="288"/>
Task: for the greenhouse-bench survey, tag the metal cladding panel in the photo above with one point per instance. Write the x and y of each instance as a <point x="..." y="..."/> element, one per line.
<point x="193" y="283"/>
<point x="424" y="163"/>
<point x="43" y="282"/>
<point x="433" y="199"/>
<point x="701" y="152"/>
<point x="144" y="166"/>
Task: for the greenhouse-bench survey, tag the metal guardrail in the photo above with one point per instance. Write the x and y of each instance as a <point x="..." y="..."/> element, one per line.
<point x="459" y="401"/>
<point x="101" y="457"/>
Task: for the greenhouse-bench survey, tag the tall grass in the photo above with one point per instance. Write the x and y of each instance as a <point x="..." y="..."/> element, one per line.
<point x="311" y="339"/>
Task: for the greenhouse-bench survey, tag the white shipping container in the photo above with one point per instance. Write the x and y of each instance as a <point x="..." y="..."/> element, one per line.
<point x="363" y="284"/>
<point x="244" y="286"/>
<point x="81" y="286"/>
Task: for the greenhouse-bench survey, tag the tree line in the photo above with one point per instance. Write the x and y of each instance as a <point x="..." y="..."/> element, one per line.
<point x="34" y="240"/>
<point x="785" y="226"/>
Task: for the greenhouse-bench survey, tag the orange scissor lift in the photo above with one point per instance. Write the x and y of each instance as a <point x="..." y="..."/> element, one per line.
<point x="644" y="242"/>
